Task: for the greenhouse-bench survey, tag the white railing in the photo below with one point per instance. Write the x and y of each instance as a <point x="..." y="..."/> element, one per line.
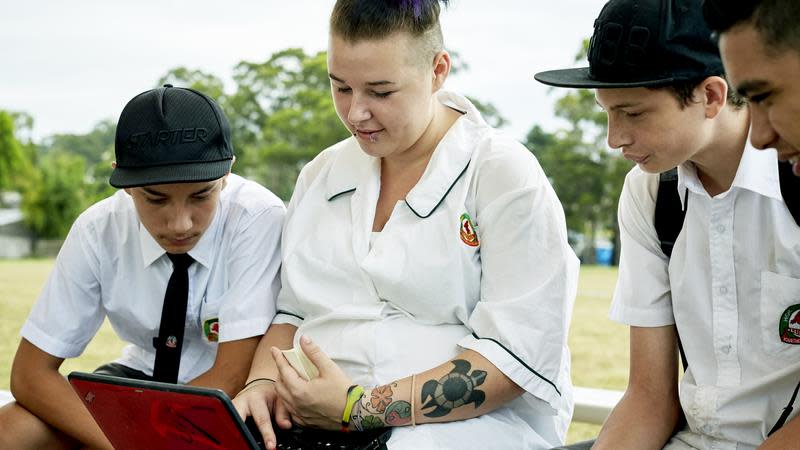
<point x="593" y="405"/>
<point x="5" y="397"/>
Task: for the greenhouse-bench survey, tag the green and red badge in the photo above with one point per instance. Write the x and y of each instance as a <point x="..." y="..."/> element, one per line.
<point x="211" y="329"/>
<point x="789" y="327"/>
<point x="468" y="234"/>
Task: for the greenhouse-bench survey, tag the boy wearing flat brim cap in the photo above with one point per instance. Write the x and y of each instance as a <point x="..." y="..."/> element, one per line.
<point x="183" y="261"/>
<point x="724" y="290"/>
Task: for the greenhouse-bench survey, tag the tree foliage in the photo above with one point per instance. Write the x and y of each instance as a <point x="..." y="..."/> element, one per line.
<point x="281" y="115"/>
<point x="93" y="146"/>
<point x="289" y="116"/>
<point x="585" y="174"/>
<point x="54" y="196"/>
<point x="15" y="164"/>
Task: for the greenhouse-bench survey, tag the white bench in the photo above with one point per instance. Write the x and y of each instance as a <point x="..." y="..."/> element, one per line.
<point x="593" y="405"/>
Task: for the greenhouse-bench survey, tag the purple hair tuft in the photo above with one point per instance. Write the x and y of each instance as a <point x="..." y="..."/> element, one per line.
<point x="416" y="5"/>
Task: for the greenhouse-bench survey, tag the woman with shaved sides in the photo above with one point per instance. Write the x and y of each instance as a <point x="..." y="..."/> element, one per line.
<point x="426" y="271"/>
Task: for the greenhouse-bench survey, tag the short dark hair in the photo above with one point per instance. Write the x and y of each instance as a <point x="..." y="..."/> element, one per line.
<point x="683" y="91"/>
<point x="778" y="21"/>
<point x="358" y="20"/>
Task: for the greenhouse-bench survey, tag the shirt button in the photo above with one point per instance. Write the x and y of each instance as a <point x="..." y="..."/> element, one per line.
<point x="707" y="429"/>
<point x="726" y="349"/>
<point x="720" y="228"/>
<point x="723" y="290"/>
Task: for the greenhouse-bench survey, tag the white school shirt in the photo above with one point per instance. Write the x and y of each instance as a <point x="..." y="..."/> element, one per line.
<point x="110" y="266"/>
<point x="421" y="293"/>
<point x="734" y="272"/>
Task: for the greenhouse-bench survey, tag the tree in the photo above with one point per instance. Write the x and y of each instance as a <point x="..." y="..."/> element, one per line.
<point x="586" y="176"/>
<point x="197" y="80"/>
<point x="53" y="197"/>
<point x="92" y="146"/>
<point x="15" y="164"/>
<point x="284" y="116"/>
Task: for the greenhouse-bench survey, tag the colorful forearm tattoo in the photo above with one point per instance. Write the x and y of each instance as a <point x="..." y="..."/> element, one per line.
<point x="455" y="389"/>
<point x="378" y="408"/>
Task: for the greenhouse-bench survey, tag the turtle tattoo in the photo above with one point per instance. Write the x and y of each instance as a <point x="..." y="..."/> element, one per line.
<point x="455" y="389"/>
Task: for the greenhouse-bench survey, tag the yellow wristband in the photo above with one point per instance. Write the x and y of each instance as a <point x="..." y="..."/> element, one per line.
<point x="354" y="394"/>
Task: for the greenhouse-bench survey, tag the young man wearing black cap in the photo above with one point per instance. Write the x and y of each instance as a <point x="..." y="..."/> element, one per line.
<point x="183" y="261"/>
<point x="725" y="291"/>
<point x="760" y="45"/>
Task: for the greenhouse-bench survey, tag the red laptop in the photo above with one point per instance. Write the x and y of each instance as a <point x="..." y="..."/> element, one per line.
<point x="148" y="415"/>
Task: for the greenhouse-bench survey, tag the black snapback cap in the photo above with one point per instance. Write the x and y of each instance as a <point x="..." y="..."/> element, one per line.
<point x="171" y="135"/>
<point x="644" y="43"/>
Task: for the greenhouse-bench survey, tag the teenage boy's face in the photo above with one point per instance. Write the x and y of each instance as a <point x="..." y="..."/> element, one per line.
<point x="177" y="215"/>
<point x="650" y="127"/>
<point x="770" y="79"/>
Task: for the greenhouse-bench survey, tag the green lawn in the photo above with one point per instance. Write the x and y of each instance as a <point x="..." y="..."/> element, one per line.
<point x="599" y="347"/>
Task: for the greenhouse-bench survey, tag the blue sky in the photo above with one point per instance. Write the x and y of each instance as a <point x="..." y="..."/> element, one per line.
<point x="72" y="64"/>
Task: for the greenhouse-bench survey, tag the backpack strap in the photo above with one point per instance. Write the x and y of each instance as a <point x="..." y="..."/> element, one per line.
<point x="669" y="221"/>
<point x="669" y="211"/>
<point x="790" y="189"/>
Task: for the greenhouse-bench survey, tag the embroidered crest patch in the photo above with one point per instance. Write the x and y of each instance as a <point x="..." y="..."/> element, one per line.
<point x="172" y="342"/>
<point x="789" y="327"/>
<point x="468" y="234"/>
<point x="211" y="329"/>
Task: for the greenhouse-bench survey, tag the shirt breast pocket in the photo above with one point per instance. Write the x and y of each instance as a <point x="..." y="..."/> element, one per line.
<point x="780" y="316"/>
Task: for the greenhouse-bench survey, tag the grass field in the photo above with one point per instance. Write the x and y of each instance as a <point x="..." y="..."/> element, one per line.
<point x="599" y="347"/>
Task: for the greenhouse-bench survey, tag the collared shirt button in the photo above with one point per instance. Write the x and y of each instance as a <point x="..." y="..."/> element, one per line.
<point x="723" y="290"/>
<point x="726" y="349"/>
<point x="720" y="228"/>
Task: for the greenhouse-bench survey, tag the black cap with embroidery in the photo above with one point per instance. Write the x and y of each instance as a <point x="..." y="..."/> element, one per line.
<point x="171" y="135"/>
<point x="640" y="43"/>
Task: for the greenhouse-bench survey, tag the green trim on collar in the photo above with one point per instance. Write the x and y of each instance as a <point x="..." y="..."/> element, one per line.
<point x="440" y="200"/>
<point x="334" y="196"/>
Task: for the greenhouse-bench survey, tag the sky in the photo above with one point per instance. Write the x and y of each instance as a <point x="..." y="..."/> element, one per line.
<point x="71" y="64"/>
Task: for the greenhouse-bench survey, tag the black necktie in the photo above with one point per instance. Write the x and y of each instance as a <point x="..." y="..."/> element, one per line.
<point x="169" y="342"/>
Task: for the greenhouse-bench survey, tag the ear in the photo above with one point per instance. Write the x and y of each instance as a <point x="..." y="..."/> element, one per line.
<point x="714" y="91"/>
<point x="224" y="181"/>
<point x="441" y="69"/>
<point x="225" y="177"/>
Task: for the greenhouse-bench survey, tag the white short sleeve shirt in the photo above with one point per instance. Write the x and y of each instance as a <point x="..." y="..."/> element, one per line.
<point x="110" y="266"/>
<point x="476" y="257"/>
<point x="731" y="287"/>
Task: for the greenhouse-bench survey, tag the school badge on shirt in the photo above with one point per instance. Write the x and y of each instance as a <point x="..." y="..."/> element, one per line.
<point x="789" y="327"/>
<point x="211" y="329"/>
<point x="468" y="234"/>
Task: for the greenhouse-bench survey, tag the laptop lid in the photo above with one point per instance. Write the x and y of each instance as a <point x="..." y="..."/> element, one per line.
<point x="136" y="414"/>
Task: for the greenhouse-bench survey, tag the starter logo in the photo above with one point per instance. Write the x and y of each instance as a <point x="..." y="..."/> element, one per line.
<point x="167" y="137"/>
